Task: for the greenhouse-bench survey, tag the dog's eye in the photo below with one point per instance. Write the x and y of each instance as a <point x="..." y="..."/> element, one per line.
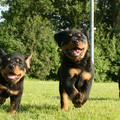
<point x="18" y="60"/>
<point x="8" y="59"/>
<point x="70" y="35"/>
<point x="79" y="35"/>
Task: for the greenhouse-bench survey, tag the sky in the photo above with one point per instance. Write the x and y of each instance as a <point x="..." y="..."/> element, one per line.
<point x="3" y="9"/>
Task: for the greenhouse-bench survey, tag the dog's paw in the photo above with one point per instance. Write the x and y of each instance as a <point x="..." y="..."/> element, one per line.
<point x="77" y="100"/>
<point x="13" y="111"/>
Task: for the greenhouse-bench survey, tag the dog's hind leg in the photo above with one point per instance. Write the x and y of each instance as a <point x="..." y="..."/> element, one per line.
<point x="64" y="99"/>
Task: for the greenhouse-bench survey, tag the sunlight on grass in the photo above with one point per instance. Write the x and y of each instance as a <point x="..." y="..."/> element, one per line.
<point x="41" y="101"/>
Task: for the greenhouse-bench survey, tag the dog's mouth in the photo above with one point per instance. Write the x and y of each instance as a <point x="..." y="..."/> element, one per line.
<point x="12" y="77"/>
<point x="75" y="51"/>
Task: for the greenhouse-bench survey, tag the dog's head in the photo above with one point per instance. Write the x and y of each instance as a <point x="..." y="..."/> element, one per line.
<point x="74" y="43"/>
<point x="13" y="66"/>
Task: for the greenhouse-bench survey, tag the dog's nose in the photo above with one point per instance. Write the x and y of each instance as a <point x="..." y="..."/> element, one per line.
<point x="75" y="42"/>
<point x="11" y="66"/>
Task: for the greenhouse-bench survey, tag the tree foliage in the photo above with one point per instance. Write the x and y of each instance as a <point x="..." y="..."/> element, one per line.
<point x="70" y="14"/>
<point x="107" y="54"/>
<point x="108" y="12"/>
<point x="30" y="24"/>
<point x="22" y="31"/>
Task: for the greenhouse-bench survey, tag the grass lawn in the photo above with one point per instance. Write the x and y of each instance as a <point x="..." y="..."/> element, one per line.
<point x="41" y="101"/>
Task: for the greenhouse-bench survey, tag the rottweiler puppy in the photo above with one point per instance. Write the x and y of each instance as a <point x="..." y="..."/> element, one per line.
<point x="76" y="71"/>
<point x="12" y="70"/>
<point x="119" y="79"/>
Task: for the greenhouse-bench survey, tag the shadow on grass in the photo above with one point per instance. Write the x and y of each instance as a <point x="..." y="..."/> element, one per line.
<point x="5" y="107"/>
<point x="113" y="99"/>
<point x="31" y="108"/>
<point x="47" y="107"/>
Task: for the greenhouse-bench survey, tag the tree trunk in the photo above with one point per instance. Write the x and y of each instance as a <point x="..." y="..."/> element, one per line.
<point x="115" y="10"/>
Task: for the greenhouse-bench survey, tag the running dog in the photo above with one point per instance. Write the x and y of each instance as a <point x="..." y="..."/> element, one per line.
<point x="13" y="67"/>
<point x="76" y="71"/>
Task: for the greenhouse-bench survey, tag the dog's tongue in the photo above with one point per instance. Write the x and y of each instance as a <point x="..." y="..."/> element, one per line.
<point x="77" y="51"/>
<point x="12" y="76"/>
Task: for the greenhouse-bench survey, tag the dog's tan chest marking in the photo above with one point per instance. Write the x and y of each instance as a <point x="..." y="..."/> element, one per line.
<point x="86" y="75"/>
<point x="12" y="92"/>
<point x="3" y="87"/>
<point x="74" y="72"/>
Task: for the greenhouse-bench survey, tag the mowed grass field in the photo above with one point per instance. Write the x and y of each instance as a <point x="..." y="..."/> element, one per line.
<point x="41" y="101"/>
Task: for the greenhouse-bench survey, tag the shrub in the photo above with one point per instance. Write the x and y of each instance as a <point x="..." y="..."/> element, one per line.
<point x="107" y="54"/>
<point x="38" y="36"/>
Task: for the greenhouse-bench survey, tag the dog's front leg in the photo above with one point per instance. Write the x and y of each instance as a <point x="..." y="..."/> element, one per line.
<point x="76" y="96"/>
<point x="81" y="98"/>
<point x="69" y="87"/>
<point x="14" y="103"/>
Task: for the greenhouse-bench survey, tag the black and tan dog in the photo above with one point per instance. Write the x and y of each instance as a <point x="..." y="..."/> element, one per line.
<point x="76" y="71"/>
<point x="12" y="70"/>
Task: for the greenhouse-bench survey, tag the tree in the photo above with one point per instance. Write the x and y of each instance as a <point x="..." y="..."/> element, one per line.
<point x="69" y="14"/>
<point x="24" y="30"/>
<point x="106" y="20"/>
<point x="30" y="24"/>
<point x="107" y="54"/>
<point x="108" y="12"/>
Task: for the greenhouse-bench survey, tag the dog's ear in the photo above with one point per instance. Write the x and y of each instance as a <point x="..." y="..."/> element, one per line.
<point x="2" y="52"/>
<point x="28" y="59"/>
<point x="59" y="37"/>
<point x="85" y="32"/>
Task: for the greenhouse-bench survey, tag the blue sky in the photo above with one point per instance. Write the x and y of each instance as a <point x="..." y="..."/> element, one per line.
<point x="3" y="9"/>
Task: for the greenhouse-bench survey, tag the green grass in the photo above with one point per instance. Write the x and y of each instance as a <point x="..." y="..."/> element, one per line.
<point x="41" y="101"/>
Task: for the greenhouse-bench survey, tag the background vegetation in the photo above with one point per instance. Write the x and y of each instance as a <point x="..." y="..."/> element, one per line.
<point x="31" y="24"/>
